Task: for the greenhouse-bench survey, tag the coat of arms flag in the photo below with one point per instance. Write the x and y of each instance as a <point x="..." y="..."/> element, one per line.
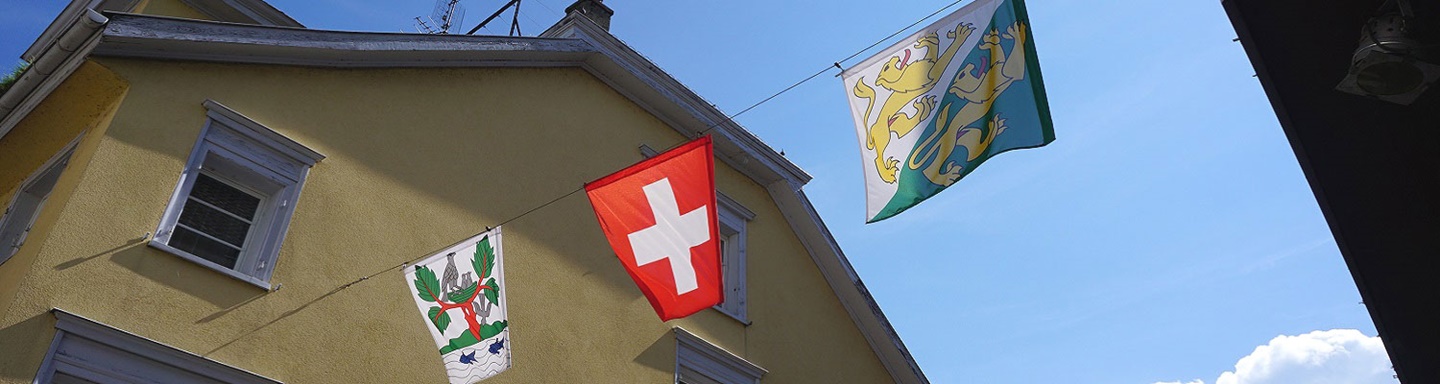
<point x="931" y="108"/>
<point x="460" y="294"/>
<point x="660" y="218"/>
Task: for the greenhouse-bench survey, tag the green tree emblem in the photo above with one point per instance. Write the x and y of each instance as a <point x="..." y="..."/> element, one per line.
<point x="464" y="298"/>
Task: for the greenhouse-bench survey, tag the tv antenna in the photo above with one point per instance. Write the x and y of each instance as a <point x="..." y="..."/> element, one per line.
<point x="448" y="15"/>
<point x="514" y="19"/>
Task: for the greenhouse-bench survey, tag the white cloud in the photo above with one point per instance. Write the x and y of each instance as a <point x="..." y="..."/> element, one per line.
<point x="1321" y="357"/>
<point x="1334" y="356"/>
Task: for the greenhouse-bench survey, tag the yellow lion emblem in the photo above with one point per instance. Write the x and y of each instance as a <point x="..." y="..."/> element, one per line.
<point x="979" y="93"/>
<point x="908" y="81"/>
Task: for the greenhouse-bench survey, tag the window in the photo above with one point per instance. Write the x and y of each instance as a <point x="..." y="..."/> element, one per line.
<point x="733" y="218"/>
<point x="699" y="362"/>
<point x="235" y="197"/>
<point x="24" y="208"/>
<point x="85" y="351"/>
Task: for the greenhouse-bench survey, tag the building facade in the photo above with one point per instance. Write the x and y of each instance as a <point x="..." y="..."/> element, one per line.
<point x="205" y="190"/>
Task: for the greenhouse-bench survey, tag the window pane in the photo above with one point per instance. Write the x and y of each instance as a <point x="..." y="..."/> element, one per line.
<point x="224" y="196"/>
<point x="214" y="223"/>
<point x="690" y="376"/>
<point x="208" y="249"/>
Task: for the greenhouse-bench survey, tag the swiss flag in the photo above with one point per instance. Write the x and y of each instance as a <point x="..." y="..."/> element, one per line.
<point x="659" y="216"/>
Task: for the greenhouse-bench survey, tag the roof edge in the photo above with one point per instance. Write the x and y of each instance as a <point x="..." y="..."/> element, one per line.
<point x="698" y="117"/>
<point x="66" y="50"/>
<point x="72" y="12"/>
<point x="854" y="296"/>
<point x="168" y="38"/>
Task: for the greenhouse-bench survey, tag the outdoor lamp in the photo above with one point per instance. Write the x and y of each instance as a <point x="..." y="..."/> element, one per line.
<point x="1387" y="65"/>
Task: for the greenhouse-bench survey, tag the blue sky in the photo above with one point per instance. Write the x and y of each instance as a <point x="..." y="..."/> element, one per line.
<point x="1164" y="235"/>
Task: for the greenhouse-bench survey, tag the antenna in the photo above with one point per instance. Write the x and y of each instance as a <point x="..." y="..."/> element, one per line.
<point x="514" y="20"/>
<point x="423" y="27"/>
<point x="448" y="15"/>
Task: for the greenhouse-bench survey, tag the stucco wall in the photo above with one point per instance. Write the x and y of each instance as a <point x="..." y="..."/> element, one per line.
<point x="82" y="104"/>
<point x="417" y="159"/>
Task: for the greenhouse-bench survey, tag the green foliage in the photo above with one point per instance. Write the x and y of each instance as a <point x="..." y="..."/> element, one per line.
<point x="14" y="75"/>
<point x="493" y="294"/>
<point x="492" y="329"/>
<point x="485" y="266"/>
<point x="484" y="258"/>
<point x="440" y="318"/>
<point x="484" y="263"/>
<point x="427" y="284"/>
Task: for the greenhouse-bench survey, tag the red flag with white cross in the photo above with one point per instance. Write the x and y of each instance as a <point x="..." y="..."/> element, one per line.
<point x="659" y="216"/>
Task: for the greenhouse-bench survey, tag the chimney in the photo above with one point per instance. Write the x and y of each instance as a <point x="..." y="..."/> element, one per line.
<point x="593" y="10"/>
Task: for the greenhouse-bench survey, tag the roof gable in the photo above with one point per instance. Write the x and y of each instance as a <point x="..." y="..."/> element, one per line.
<point x="234" y="11"/>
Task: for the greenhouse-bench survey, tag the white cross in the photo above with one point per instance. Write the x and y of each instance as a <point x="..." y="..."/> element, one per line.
<point x="672" y="236"/>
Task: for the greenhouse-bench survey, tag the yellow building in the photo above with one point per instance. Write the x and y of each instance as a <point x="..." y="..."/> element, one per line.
<point x="197" y="190"/>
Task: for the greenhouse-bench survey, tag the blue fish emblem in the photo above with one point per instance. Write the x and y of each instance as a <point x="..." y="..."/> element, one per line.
<point x="467" y="359"/>
<point x="495" y="348"/>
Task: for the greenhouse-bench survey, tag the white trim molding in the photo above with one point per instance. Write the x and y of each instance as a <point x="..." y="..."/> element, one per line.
<point x="695" y="354"/>
<point x="734" y="218"/>
<point x="94" y="351"/>
<point x="260" y="132"/>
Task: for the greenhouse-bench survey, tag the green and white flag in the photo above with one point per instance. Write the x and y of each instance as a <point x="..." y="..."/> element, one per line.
<point x="461" y="296"/>
<point x="931" y="108"/>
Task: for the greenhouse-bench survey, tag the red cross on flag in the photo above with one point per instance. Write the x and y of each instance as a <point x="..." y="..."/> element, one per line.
<point x="659" y="216"/>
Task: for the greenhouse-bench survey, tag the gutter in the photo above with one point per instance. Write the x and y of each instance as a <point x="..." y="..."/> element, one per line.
<point x="51" y="67"/>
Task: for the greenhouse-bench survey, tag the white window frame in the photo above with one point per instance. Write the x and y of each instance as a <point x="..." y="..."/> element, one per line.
<point x="701" y="362"/>
<point x="97" y="352"/>
<point x="257" y="160"/>
<point x="11" y="216"/>
<point x="733" y="218"/>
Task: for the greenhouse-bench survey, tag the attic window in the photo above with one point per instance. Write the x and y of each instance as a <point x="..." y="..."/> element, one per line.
<point x="19" y="217"/>
<point x="233" y="204"/>
<point x="733" y="219"/>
